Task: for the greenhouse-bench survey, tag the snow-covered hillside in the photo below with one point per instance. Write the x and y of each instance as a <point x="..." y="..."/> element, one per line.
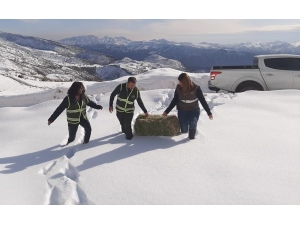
<point x="19" y="92"/>
<point x="45" y="60"/>
<point x="59" y="48"/>
<point x="248" y="154"/>
<point x="127" y="66"/>
<point x="30" y="60"/>
<point x="18" y="61"/>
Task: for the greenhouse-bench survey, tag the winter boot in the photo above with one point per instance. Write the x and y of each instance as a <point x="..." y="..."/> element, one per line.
<point x="192" y="133"/>
<point x="129" y="136"/>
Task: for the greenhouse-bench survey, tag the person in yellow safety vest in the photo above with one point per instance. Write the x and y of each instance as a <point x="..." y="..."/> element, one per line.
<point x="127" y="93"/>
<point x="75" y="103"/>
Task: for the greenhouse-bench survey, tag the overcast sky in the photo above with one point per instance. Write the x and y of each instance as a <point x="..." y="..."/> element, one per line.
<point x="207" y="22"/>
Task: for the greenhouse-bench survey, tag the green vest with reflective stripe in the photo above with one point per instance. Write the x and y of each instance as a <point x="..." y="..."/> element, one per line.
<point x="125" y="100"/>
<point x="75" y="110"/>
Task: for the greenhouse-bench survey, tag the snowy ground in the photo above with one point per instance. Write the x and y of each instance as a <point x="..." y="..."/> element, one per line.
<point x="249" y="154"/>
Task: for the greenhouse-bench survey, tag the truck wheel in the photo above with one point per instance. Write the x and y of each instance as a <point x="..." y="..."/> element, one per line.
<point x="248" y="87"/>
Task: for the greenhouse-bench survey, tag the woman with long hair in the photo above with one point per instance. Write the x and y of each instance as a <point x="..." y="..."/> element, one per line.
<point x="75" y="103"/>
<point x="186" y="97"/>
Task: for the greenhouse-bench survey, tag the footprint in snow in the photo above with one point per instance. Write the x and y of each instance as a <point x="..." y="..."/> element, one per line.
<point x="89" y="110"/>
<point x="71" y="172"/>
<point x="95" y="115"/>
<point x="98" y="98"/>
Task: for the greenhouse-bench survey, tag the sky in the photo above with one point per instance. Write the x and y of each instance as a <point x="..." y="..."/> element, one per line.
<point x="195" y="176"/>
<point x="184" y="23"/>
<point x="147" y="13"/>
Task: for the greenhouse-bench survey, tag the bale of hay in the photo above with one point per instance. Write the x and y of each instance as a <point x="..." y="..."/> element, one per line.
<point x="157" y="125"/>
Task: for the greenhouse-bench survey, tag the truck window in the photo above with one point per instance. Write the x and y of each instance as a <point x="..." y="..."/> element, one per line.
<point x="279" y="63"/>
<point x="296" y="64"/>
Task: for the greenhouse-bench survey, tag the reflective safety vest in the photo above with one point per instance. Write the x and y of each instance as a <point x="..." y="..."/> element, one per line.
<point x="74" y="111"/>
<point x="125" y="100"/>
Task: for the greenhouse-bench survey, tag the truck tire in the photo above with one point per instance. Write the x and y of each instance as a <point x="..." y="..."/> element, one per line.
<point x="247" y="86"/>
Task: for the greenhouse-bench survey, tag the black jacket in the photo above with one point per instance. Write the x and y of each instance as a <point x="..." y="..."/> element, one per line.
<point x="200" y="97"/>
<point x="65" y="104"/>
<point x="117" y="91"/>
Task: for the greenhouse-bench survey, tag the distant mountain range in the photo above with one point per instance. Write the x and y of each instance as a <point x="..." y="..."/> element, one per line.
<point x="196" y="57"/>
<point x="93" y="58"/>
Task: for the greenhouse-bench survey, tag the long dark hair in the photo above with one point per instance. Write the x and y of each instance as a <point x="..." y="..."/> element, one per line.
<point x="75" y="87"/>
<point x="187" y="84"/>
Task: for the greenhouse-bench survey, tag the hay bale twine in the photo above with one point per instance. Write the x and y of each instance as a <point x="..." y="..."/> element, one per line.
<point x="157" y="125"/>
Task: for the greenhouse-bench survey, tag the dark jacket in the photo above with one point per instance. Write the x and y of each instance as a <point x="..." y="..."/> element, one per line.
<point x="187" y="106"/>
<point x="123" y="92"/>
<point x="65" y="104"/>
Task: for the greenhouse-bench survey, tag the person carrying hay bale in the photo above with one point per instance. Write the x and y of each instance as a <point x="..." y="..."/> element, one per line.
<point x="127" y="93"/>
<point x="186" y="97"/>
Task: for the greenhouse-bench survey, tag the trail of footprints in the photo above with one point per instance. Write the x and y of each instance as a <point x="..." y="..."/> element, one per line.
<point x="62" y="178"/>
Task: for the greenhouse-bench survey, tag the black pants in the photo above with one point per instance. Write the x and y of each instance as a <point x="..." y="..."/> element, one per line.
<point x="73" y="130"/>
<point x="188" y="121"/>
<point x="125" y="122"/>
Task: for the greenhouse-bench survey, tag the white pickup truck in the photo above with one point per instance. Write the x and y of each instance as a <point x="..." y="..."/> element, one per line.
<point x="268" y="72"/>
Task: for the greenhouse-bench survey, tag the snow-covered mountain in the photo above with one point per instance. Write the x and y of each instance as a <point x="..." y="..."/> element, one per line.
<point x="43" y="65"/>
<point x="41" y="59"/>
<point x="92" y="40"/>
<point x="86" y="40"/>
<point x="93" y="58"/>
<point x="267" y="47"/>
<point x="59" y="48"/>
<point x="81" y="40"/>
<point x="195" y="56"/>
<point x="127" y="66"/>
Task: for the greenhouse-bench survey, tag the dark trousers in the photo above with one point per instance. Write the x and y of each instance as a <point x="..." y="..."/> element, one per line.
<point x="74" y="127"/>
<point x="188" y="121"/>
<point x="125" y="122"/>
